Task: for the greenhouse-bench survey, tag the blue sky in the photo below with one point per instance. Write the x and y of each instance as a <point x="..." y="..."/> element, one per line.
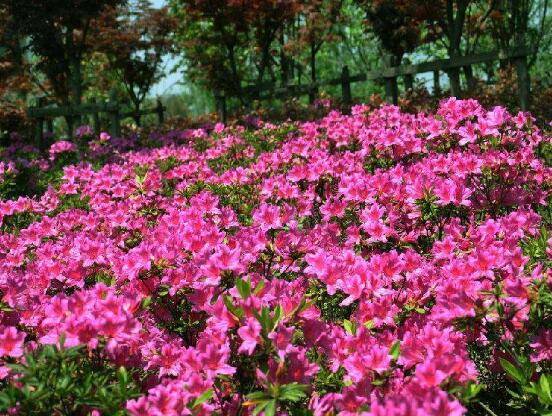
<point x="168" y="83"/>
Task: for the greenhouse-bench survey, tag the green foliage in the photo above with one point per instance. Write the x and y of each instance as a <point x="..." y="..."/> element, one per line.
<point x="8" y="185"/>
<point x="375" y="161"/>
<point x="243" y="199"/>
<point x="174" y="313"/>
<point x="529" y="390"/>
<point x="269" y="400"/>
<point x="68" y="202"/>
<point x="330" y="305"/>
<point x="167" y="164"/>
<point x="327" y="381"/>
<point x="67" y="381"/>
<point x="16" y="222"/>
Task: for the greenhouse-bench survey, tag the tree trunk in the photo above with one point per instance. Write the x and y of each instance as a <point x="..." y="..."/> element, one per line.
<point x="471" y="82"/>
<point x="74" y="76"/>
<point x="236" y="82"/>
<point x="74" y="66"/>
<point x="454" y="79"/>
<point x="455" y="25"/>
<point x="137" y="117"/>
<point x="284" y="66"/>
<point x="313" y="91"/>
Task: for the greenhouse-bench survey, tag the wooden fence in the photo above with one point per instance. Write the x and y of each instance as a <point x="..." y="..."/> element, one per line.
<point x="43" y="116"/>
<point x="390" y="75"/>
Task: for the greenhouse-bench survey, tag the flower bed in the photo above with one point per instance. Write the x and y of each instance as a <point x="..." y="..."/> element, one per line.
<point x="376" y="263"/>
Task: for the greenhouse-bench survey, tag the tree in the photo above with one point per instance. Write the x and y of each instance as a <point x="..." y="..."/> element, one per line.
<point x="135" y="40"/>
<point x="401" y="25"/>
<point x="232" y="42"/>
<point x="15" y="81"/>
<point x="57" y="32"/>
<point x="320" y="18"/>
<point x="214" y="40"/>
<point x="519" y="22"/>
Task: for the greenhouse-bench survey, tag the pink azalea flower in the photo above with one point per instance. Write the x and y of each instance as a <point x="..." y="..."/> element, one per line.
<point x="11" y="342"/>
<point x="251" y="336"/>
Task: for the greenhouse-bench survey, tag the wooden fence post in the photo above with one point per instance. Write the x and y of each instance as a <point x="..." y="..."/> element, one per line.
<point x="95" y="118"/>
<point x="454" y="79"/>
<point x="114" y="114"/>
<point x="160" y="112"/>
<point x="409" y="82"/>
<point x="313" y="93"/>
<point x="31" y="127"/>
<point x="70" y="123"/>
<point x="524" y="84"/>
<point x="346" y="86"/>
<point x="408" y="79"/>
<point x="391" y="90"/>
<point x="391" y="87"/>
<point x="220" y="99"/>
<point x="50" y="125"/>
<point x="436" y="83"/>
<point x="39" y="127"/>
<point x="470" y="78"/>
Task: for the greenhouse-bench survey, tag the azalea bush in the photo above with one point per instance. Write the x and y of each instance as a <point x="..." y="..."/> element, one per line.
<point x="375" y="263"/>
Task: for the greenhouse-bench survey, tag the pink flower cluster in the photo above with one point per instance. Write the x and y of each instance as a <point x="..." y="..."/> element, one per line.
<point x="61" y="146"/>
<point x="376" y="246"/>
<point x="5" y="169"/>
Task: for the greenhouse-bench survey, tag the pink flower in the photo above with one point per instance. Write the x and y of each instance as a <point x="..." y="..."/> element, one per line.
<point x="377" y="216"/>
<point x="542" y="346"/>
<point x="428" y="375"/>
<point x="251" y="335"/>
<point x="226" y="258"/>
<point x="450" y="191"/>
<point x="62" y="146"/>
<point x="11" y="342"/>
<point x="213" y="361"/>
<point x="281" y="338"/>
<point x="267" y="217"/>
<point x="104" y="137"/>
<point x="361" y="364"/>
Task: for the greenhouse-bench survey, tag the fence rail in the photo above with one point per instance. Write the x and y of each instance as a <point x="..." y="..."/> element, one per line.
<point x="43" y="115"/>
<point x="390" y="75"/>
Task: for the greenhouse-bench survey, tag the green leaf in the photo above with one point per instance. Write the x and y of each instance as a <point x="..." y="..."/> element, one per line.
<point x="531" y="388"/>
<point x="61" y="340"/>
<point x="236" y="311"/>
<point x="278" y="312"/>
<point x="395" y="350"/>
<point x="512" y="371"/>
<point x="244" y="288"/>
<point x="544" y="390"/>
<point x="293" y="391"/>
<point x="258" y="396"/>
<point x="264" y="319"/>
<point x="206" y="395"/>
<point x="513" y="393"/>
<point x="123" y="376"/>
<point x="270" y="408"/>
<point x="350" y="327"/>
<point x="261" y="406"/>
<point x="64" y="383"/>
<point x="259" y="287"/>
<point x="471" y="390"/>
<point x="146" y="302"/>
